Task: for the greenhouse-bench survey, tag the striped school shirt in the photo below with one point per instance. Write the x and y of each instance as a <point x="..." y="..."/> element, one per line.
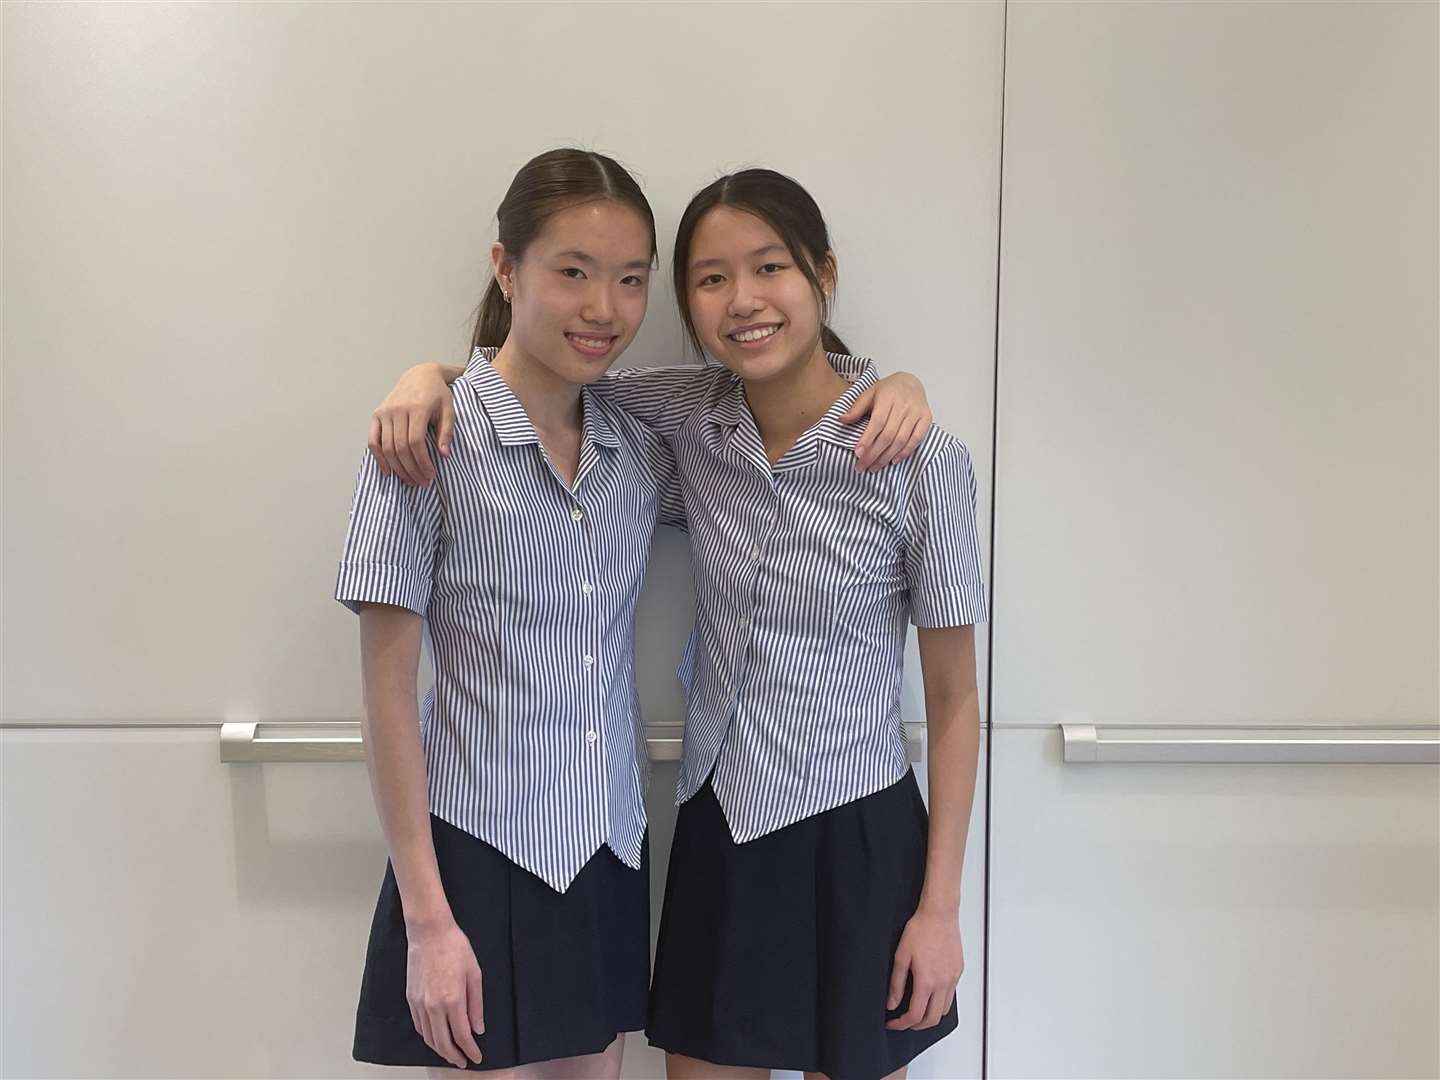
<point x="532" y="734"/>
<point x="807" y="574"/>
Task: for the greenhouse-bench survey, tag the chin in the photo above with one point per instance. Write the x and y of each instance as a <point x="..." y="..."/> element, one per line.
<point x="574" y="369"/>
<point x="756" y="368"/>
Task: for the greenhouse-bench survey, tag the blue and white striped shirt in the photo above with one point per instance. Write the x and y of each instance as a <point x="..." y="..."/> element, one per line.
<point x="806" y="573"/>
<point x="532" y="734"/>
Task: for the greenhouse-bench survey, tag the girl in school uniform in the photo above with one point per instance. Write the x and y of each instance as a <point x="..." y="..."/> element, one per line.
<point x="811" y="916"/>
<point x="512" y="928"/>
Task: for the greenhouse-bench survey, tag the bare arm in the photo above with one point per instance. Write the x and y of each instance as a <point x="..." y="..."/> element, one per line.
<point x="930" y="948"/>
<point x="443" y="983"/>
<point x="897" y="406"/>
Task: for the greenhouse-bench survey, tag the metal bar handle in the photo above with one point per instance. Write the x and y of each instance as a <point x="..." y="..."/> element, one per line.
<point x="339" y="740"/>
<point x="1089" y="743"/>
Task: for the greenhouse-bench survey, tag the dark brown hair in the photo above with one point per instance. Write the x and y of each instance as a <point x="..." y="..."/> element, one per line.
<point x="553" y="181"/>
<point x="787" y="208"/>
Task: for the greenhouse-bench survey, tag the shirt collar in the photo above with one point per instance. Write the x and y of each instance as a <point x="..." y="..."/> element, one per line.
<point x="730" y="408"/>
<point x="508" y="417"/>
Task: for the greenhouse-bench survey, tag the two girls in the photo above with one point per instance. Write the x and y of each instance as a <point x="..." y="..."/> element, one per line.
<point x="811" y="916"/>
<point x="512" y="928"/>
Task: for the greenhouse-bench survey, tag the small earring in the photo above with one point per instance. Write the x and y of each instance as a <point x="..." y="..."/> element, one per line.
<point x="506" y="295"/>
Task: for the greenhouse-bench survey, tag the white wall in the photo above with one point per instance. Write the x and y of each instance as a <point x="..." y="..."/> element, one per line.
<point x="227" y="229"/>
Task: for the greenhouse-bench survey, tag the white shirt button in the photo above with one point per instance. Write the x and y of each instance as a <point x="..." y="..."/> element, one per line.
<point x="591" y="736"/>
<point x="589" y="660"/>
<point x="577" y="513"/>
<point x="755" y="553"/>
<point x="587" y="588"/>
<point x="744" y="620"/>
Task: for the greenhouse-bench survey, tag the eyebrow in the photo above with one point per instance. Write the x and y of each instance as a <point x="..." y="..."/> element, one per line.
<point x="752" y="255"/>
<point x="586" y="257"/>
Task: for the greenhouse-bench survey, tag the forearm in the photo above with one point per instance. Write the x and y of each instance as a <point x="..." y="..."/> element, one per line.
<point x="953" y="723"/>
<point x="390" y="723"/>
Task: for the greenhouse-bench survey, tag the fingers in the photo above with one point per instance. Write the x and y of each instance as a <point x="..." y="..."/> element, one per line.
<point x="389" y="457"/>
<point x="886" y="443"/>
<point x="912" y="434"/>
<point x="875" y="435"/>
<point x="935" y="1011"/>
<point x="460" y="1030"/>
<point x="408" y="466"/>
<point x="898" y="971"/>
<point x="860" y="408"/>
<point x="373" y="441"/>
<point x="919" y="1003"/>
<point x="441" y="1042"/>
<point x="475" y="995"/>
<point x="447" y="425"/>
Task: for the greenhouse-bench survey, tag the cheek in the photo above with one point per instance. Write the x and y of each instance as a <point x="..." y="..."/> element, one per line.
<point x="705" y="313"/>
<point x="801" y="306"/>
<point x="635" y="307"/>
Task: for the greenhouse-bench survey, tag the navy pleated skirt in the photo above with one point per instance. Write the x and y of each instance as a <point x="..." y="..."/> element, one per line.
<point x="564" y="973"/>
<point x="777" y="953"/>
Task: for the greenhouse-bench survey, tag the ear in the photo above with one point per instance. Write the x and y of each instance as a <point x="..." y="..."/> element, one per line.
<point x="503" y="267"/>
<point x="829" y="274"/>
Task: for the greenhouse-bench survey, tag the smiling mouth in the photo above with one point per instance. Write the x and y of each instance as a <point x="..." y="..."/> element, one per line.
<point x="750" y="335"/>
<point x="592" y="344"/>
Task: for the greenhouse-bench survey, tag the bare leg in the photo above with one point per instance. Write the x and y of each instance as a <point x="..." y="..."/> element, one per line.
<point x="680" y="1067"/>
<point x="898" y="1074"/>
<point x="602" y="1066"/>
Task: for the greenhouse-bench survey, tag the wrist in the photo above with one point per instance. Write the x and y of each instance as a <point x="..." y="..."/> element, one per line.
<point x="424" y="919"/>
<point x="943" y="905"/>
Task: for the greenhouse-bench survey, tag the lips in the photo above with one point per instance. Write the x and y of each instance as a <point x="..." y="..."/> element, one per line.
<point x="592" y="345"/>
<point x="754" y="334"/>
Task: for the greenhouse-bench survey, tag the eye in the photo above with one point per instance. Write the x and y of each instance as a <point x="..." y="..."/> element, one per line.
<point x="633" y="279"/>
<point x="573" y="272"/>
<point x="709" y="279"/>
<point x="772" y="268"/>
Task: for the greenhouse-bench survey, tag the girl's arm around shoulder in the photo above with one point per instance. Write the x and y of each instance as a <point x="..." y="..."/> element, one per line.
<point x="661" y="398"/>
<point x="900" y="419"/>
<point x="398" y="426"/>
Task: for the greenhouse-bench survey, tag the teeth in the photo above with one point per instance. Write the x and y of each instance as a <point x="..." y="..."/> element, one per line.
<point x="755" y="335"/>
<point x="590" y="343"/>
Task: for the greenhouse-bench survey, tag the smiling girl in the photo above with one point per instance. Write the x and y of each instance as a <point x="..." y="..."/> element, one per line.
<point x="512" y="928"/>
<point x="811" y="916"/>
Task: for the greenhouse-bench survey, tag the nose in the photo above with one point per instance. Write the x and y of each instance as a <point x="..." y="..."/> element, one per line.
<point x="599" y="305"/>
<point x="744" y="299"/>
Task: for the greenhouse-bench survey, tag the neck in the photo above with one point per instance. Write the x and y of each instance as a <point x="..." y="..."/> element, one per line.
<point x="551" y="403"/>
<point x="784" y="406"/>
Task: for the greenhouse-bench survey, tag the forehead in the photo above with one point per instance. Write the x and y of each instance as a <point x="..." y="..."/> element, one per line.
<point x="727" y="232"/>
<point x="603" y="228"/>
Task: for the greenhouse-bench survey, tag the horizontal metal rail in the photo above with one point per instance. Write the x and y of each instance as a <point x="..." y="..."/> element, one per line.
<point x="340" y="740"/>
<point x="1091" y="743"/>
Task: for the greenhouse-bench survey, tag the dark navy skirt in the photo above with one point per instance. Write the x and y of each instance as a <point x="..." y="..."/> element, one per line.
<point x="564" y="973"/>
<point x="777" y="953"/>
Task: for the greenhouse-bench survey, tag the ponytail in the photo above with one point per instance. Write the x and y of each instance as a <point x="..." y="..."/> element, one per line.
<point x="492" y="324"/>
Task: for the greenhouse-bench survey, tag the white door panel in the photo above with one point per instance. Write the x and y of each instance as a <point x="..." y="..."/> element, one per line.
<point x="1205" y="920"/>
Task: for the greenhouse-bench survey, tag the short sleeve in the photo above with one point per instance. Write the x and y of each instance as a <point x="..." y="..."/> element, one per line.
<point x="942" y="543"/>
<point x="391" y="545"/>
